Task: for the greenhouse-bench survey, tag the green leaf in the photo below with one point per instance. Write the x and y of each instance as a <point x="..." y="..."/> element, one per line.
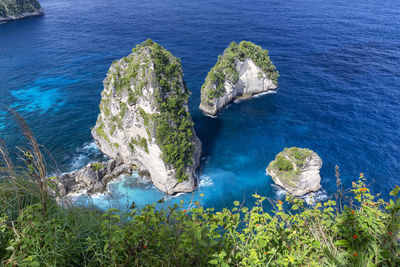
<point x="295" y="207"/>
<point x="342" y="243"/>
<point x="262" y="243"/>
<point x="236" y="203"/>
<point x="222" y="254"/>
<point x="213" y="262"/>
<point x="197" y="234"/>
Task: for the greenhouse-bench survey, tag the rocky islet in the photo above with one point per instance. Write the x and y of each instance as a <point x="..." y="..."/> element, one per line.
<point x="296" y="170"/>
<point x="244" y="70"/>
<point x="144" y="118"/>
<point x="18" y="9"/>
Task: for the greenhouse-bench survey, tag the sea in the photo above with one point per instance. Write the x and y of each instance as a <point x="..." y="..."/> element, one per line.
<point x="338" y="94"/>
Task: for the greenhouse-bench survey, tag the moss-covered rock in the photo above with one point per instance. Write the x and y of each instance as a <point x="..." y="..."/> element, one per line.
<point x="296" y="170"/>
<point x="244" y="70"/>
<point x="144" y="110"/>
<point x="18" y="9"/>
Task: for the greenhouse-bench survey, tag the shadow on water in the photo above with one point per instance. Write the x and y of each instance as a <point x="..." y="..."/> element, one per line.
<point x="208" y="130"/>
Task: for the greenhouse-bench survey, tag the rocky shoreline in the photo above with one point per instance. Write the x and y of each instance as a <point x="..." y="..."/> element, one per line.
<point x="22" y="16"/>
<point x="93" y="178"/>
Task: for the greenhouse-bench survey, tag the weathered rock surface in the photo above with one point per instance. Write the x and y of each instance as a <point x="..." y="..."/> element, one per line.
<point x="296" y="170"/>
<point x="144" y="118"/>
<point x="244" y="70"/>
<point x="93" y="178"/>
<point x="19" y="9"/>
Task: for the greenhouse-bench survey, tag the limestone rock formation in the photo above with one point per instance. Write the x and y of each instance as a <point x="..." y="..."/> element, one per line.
<point x="18" y="9"/>
<point x="144" y="118"/>
<point x="296" y="170"/>
<point x="92" y="178"/>
<point x="244" y="70"/>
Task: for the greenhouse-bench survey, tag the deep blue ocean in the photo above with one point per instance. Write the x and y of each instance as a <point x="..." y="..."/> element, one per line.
<point x="339" y="90"/>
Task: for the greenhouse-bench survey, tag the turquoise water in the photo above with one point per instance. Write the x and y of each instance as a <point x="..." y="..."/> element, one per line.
<point x="42" y="96"/>
<point x="339" y="90"/>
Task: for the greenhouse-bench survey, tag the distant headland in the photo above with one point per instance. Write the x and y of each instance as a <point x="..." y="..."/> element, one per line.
<point x="18" y="9"/>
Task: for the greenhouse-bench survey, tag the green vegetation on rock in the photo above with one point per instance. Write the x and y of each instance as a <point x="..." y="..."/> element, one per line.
<point x="283" y="164"/>
<point x="173" y="125"/>
<point x="18" y="7"/>
<point x="96" y="166"/>
<point x="225" y="68"/>
<point x="100" y="132"/>
<point x="288" y="164"/>
<point x="142" y="142"/>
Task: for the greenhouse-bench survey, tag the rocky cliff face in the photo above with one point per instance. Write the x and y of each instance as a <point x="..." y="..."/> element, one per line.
<point x="242" y="71"/>
<point x="93" y="178"/>
<point x="144" y="118"/>
<point x="18" y="9"/>
<point x="296" y="170"/>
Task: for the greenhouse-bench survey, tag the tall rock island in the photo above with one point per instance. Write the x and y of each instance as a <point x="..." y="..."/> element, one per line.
<point x="244" y="70"/>
<point x="19" y="9"/>
<point x="144" y="118"/>
<point x="296" y="170"/>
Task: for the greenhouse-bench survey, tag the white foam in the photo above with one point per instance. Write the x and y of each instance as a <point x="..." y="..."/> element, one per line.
<point x="91" y="146"/>
<point x="313" y="198"/>
<point x="176" y="195"/>
<point x="310" y="198"/>
<point x="280" y="193"/>
<point x="84" y="154"/>
<point x="205" y="181"/>
<point x="211" y="116"/>
<point x="78" y="162"/>
<point x="254" y="96"/>
<point x="265" y="93"/>
<point x="143" y="180"/>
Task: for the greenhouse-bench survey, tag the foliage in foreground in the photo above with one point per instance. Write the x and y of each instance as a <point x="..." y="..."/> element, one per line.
<point x="364" y="234"/>
<point x="355" y="230"/>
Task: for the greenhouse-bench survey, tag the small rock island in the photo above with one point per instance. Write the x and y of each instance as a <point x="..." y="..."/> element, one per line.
<point x="19" y="9"/>
<point x="296" y="170"/>
<point x="244" y="70"/>
<point x="144" y="118"/>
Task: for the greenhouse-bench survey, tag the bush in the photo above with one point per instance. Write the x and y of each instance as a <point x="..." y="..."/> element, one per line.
<point x="363" y="233"/>
<point x="283" y="164"/>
